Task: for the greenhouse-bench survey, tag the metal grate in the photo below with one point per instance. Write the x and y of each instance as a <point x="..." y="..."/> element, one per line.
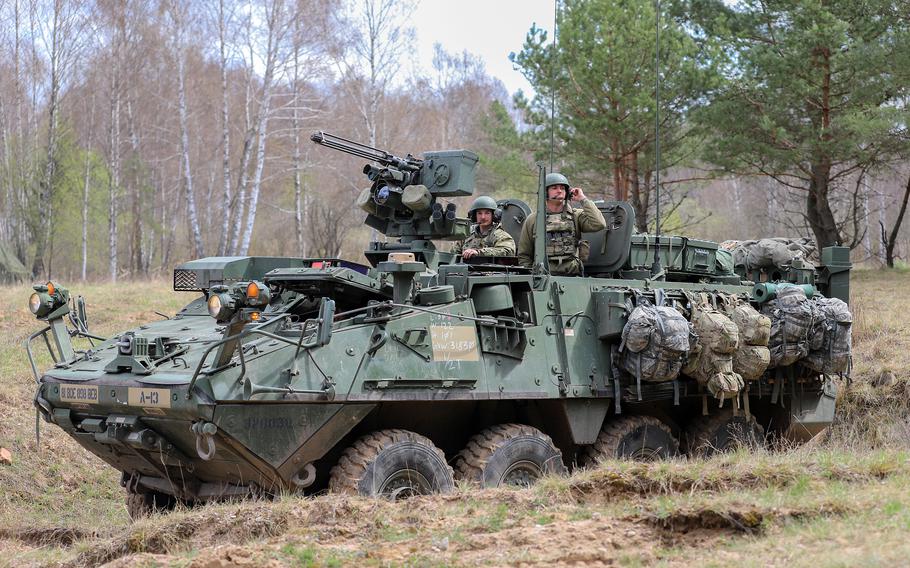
<point x="185" y="281"/>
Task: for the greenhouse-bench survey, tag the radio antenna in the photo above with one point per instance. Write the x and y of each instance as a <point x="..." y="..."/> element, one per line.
<point x="553" y="85"/>
<point x="655" y="267"/>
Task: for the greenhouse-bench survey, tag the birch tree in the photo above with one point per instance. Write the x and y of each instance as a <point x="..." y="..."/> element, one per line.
<point x="224" y="19"/>
<point x="367" y="58"/>
<point x="60" y="35"/>
<point x="276" y="21"/>
<point x="178" y="15"/>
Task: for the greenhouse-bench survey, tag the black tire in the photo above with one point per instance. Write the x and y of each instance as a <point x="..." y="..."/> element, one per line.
<point x="141" y="505"/>
<point x="508" y="455"/>
<point x="723" y="432"/>
<point x="392" y="463"/>
<point x="640" y="438"/>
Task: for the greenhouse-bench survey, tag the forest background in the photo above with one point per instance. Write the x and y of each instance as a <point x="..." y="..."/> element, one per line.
<point x="138" y="134"/>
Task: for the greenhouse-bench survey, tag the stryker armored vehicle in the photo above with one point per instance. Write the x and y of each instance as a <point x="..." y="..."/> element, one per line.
<point x="415" y="371"/>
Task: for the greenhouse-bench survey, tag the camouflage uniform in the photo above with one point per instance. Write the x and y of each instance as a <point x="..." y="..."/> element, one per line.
<point x="494" y="242"/>
<point x="564" y="231"/>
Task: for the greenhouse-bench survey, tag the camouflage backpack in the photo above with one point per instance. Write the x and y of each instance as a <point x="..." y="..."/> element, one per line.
<point x="792" y="317"/>
<point x="831" y="344"/>
<point x="752" y="356"/>
<point x="655" y="343"/>
<point x="717" y="340"/>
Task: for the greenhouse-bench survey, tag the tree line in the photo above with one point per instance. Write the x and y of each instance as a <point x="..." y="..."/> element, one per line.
<point x="135" y="135"/>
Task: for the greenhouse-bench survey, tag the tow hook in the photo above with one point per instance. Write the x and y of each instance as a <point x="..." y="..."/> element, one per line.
<point x="205" y="441"/>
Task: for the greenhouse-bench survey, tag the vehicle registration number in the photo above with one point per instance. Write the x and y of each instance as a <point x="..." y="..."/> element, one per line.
<point x="79" y="393"/>
<point x="149" y="398"/>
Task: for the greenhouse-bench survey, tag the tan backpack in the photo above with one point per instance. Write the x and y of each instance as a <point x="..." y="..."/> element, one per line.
<point x="752" y="357"/>
<point x="711" y="362"/>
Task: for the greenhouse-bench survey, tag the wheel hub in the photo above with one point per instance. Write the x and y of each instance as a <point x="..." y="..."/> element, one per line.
<point x="405" y="483"/>
<point x="521" y="474"/>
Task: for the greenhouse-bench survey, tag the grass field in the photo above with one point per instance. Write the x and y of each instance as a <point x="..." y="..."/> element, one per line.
<point x="841" y="501"/>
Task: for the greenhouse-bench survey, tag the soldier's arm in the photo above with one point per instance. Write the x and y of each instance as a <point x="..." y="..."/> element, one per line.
<point x="590" y="219"/>
<point x="458" y="248"/>
<point x="526" y="243"/>
<point x="505" y="245"/>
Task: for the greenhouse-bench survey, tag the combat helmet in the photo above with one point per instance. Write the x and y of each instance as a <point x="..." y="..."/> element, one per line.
<point x="556" y="178"/>
<point x="482" y="202"/>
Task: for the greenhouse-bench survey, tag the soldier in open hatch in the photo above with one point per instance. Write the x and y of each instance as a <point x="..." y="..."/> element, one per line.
<point x="565" y="224"/>
<point x="487" y="238"/>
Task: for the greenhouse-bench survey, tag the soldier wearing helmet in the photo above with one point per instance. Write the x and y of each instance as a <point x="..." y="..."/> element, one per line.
<point x="565" y="224"/>
<point x="487" y="238"/>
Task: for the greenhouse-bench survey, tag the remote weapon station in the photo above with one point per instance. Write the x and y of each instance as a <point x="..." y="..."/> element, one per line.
<point x="416" y="370"/>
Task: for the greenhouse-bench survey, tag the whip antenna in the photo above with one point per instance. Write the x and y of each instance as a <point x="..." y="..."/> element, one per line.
<point x="655" y="268"/>
<point x="553" y="86"/>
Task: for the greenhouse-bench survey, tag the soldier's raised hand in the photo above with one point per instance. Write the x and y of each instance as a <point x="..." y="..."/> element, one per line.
<point x="577" y="194"/>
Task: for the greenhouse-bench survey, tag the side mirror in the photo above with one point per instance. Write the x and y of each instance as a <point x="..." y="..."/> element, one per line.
<point x="326" y="318"/>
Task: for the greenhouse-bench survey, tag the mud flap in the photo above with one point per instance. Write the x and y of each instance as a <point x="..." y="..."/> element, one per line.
<point x="811" y="413"/>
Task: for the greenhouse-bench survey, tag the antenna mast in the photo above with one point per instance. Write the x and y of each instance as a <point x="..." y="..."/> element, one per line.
<point x="655" y="267"/>
<point x="553" y="86"/>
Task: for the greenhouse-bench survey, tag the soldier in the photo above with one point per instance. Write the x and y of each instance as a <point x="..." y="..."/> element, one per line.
<point x="487" y="238"/>
<point x="565" y="225"/>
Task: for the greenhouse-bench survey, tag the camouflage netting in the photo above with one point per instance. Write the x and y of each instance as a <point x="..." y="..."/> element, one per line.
<point x="12" y="271"/>
<point x="770" y="253"/>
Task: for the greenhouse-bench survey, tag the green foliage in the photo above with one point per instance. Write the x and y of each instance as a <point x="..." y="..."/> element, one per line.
<point x="504" y="169"/>
<point x="815" y="95"/>
<point x="69" y="185"/>
<point x="602" y="74"/>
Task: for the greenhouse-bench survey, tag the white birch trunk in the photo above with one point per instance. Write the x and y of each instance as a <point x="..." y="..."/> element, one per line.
<point x="240" y="205"/>
<point x="256" y="183"/>
<point x="45" y="195"/>
<point x="867" y="237"/>
<point x="298" y="190"/>
<point x="114" y="180"/>
<point x="85" y="190"/>
<point x="883" y="220"/>
<point x="262" y="127"/>
<point x="192" y="217"/>
<point x="225" y="137"/>
<point x="138" y="213"/>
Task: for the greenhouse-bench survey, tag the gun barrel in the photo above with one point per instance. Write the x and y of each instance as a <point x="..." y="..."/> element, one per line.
<point x="364" y="151"/>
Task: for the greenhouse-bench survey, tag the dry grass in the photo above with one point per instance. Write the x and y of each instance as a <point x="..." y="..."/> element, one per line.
<point x="842" y="502"/>
<point x="59" y="476"/>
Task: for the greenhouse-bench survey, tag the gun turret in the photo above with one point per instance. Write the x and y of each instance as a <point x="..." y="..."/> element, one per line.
<point x="401" y="201"/>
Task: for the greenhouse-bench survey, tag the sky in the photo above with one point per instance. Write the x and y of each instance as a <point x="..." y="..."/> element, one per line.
<point x="489" y="29"/>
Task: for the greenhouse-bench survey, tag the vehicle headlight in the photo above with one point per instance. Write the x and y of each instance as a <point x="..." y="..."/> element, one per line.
<point x="221" y="306"/>
<point x="35" y="303"/>
<point x="215" y="305"/>
<point x="48" y="299"/>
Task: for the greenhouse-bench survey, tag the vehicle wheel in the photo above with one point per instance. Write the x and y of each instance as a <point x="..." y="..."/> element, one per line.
<point x="394" y="464"/>
<point x="723" y="432"/>
<point x="641" y="438"/>
<point x="140" y="505"/>
<point x="508" y="454"/>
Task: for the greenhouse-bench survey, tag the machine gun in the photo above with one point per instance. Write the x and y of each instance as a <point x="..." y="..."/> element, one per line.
<point x="403" y="198"/>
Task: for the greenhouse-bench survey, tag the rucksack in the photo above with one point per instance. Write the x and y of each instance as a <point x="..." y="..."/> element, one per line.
<point x="792" y="316"/>
<point x="655" y="343"/>
<point x="752" y="357"/>
<point x="711" y="362"/>
<point x="831" y="345"/>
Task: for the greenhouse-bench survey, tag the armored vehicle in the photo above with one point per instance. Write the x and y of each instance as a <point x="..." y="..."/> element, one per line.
<point x="409" y="373"/>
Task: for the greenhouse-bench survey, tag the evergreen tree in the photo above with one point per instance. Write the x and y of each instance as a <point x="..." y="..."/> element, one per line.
<point x="813" y="99"/>
<point x="602" y="74"/>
